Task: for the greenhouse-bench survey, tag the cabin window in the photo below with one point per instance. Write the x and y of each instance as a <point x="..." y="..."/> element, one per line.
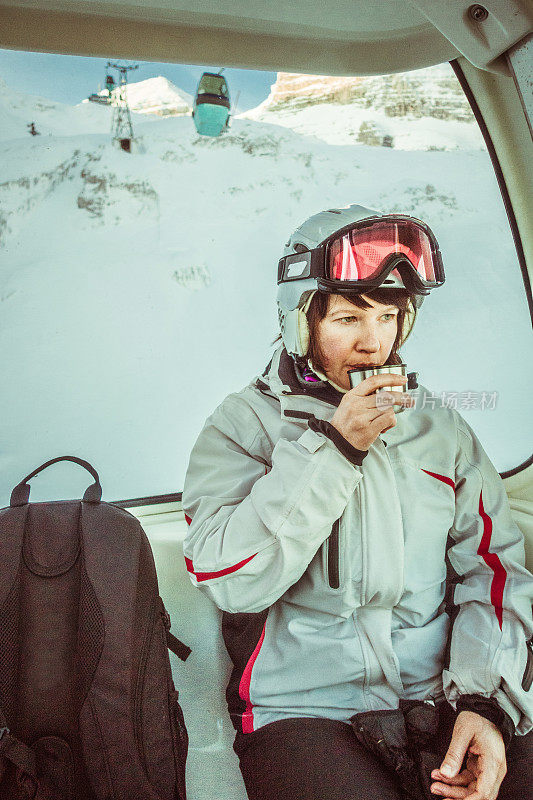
<point x="138" y="283"/>
<point x="211" y="84"/>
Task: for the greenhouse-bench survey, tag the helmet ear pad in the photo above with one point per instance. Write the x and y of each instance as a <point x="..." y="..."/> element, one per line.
<point x="303" y="325"/>
<point x="303" y="332"/>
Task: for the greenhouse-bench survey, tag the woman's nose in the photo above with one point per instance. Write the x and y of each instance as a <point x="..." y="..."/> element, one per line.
<point x="367" y="341"/>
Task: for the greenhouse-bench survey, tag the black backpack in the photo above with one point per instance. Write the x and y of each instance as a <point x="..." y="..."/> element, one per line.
<point x="88" y="708"/>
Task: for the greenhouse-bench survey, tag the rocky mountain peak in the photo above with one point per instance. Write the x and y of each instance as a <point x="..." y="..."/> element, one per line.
<point x="432" y="92"/>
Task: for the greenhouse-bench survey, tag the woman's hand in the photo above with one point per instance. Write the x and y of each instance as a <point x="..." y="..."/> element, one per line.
<point x="362" y="415"/>
<point x="485" y="766"/>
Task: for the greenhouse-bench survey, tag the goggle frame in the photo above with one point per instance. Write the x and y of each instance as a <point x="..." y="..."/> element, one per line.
<point x="314" y="262"/>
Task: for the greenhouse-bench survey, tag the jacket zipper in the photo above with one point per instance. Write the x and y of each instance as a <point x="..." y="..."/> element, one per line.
<point x="527" y="680"/>
<point x="333" y="556"/>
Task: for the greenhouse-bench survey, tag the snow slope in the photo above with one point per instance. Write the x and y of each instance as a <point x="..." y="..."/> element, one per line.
<point x="51" y="118"/>
<point x="138" y="290"/>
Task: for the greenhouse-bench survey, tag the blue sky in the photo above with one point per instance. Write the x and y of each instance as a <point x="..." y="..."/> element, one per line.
<point x="69" y="79"/>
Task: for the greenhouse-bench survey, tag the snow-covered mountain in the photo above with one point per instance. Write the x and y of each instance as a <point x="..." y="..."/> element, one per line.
<point x="137" y="290"/>
<point x="152" y="97"/>
<point x="423" y="109"/>
<point x="158" y="96"/>
<point x="51" y="118"/>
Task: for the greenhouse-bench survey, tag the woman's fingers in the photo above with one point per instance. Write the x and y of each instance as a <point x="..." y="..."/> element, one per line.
<point x="485" y="759"/>
<point x="450" y="792"/>
<point x="362" y="415"/>
<point x="382" y="420"/>
<point x="457" y="787"/>
<point x="386" y="399"/>
<point x="369" y="385"/>
<point x="489" y="779"/>
<point x="472" y="763"/>
<point x="462" y="779"/>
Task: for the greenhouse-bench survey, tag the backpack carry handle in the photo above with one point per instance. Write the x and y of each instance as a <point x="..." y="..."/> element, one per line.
<point x="21" y="493"/>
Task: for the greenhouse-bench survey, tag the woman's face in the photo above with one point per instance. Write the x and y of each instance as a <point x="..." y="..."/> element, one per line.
<point x="353" y="338"/>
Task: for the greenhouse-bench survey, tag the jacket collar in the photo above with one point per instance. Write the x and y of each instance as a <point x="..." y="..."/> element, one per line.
<point x="300" y="400"/>
<point x="284" y="379"/>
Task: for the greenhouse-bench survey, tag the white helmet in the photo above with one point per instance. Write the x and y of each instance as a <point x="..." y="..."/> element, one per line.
<point x="352" y="250"/>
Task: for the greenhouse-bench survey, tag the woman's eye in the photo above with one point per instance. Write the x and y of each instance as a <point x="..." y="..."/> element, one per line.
<point x="384" y="317"/>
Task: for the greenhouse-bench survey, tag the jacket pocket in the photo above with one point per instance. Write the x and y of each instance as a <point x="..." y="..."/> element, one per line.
<point x="332" y="562"/>
<point x="527" y="679"/>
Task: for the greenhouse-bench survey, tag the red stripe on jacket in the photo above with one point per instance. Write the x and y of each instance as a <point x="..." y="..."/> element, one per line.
<point x="244" y="687"/>
<point x="492" y="560"/>
<point x="205" y="576"/>
<point x="442" y="478"/>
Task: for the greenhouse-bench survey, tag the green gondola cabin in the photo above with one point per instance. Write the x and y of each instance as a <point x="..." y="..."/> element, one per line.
<point x="211" y="109"/>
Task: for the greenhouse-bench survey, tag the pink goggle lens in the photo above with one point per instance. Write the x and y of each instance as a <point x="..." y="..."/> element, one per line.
<point x="359" y="254"/>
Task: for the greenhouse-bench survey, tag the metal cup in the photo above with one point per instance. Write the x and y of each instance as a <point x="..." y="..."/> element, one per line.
<point x="358" y="375"/>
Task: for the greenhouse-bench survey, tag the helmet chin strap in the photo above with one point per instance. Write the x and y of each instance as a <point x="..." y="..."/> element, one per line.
<point x="325" y="378"/>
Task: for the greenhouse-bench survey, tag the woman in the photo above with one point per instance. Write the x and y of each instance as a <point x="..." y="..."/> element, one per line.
<point x="321" y="520"/>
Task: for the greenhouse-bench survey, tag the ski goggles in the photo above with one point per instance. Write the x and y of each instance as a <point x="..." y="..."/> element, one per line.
<point x="392" y="249"/>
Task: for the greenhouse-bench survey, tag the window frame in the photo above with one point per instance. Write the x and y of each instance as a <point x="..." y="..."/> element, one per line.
<point x="465" y="86"/>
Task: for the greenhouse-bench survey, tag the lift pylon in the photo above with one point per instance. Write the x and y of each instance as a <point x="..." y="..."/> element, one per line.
<point x="121" y="126"/>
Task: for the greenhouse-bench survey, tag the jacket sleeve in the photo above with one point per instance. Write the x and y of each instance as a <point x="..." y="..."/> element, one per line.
<point x="488" y="652"/>
<point x="256" y="522"/>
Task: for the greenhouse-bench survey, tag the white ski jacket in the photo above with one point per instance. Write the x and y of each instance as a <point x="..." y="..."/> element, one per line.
<point x="332" y="576"/>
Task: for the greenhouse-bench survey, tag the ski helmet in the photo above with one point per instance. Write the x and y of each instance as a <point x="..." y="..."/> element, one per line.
<point x="352" y="250"/>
